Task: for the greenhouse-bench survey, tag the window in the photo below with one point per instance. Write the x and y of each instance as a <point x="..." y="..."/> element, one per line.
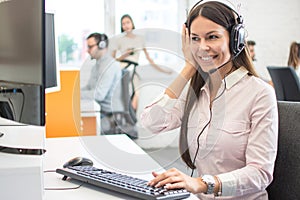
<point x="74" y="21"/>
<point x="160" y="22"/>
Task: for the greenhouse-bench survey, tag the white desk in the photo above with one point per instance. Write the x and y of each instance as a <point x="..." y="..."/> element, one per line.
<point x="89" y="106"/>
<point x="20" y="173"/>
<point x="115" y="152"/>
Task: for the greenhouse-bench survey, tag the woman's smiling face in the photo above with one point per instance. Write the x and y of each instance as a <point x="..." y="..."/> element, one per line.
<point x="209" y="43"/>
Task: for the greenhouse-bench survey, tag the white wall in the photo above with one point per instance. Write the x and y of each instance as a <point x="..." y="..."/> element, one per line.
<point x="273" y="25"/>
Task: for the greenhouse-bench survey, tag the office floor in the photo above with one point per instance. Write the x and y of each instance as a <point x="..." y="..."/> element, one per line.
<point x="168" y="158"/>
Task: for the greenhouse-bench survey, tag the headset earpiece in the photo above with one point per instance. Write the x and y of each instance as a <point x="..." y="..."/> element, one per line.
<point x="237" y="38"/>
<point x="102" y="44"/>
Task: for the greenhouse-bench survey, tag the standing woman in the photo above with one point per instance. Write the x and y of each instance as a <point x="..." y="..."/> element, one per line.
<point x="130" y="46"/>
<point x="228" y="116"/>
<point x="294" y="57"/>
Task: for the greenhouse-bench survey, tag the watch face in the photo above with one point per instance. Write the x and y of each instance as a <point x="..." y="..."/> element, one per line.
<point x="210" y="182"/>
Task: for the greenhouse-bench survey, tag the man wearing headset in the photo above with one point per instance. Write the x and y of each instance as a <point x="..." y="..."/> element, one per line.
<point x="104" y="84"/>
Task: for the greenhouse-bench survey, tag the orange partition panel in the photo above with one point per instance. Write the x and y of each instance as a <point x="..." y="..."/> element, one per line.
<point x="63" y="107"/>
<point x="88" y="125"/>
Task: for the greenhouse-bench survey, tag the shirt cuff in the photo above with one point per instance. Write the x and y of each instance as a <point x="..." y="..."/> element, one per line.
<point x="228" y="184"/>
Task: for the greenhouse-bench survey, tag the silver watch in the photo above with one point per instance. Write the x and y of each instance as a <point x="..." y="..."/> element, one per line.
<point x="210" y="182"/>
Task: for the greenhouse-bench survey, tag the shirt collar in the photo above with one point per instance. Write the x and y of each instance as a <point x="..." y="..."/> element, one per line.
<point x="235" y="77"/>
<point x="231" y="79"/>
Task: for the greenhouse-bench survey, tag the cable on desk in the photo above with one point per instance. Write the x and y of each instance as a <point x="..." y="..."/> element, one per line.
<point x="70" y="188"/>
<point x="50" y="170"/>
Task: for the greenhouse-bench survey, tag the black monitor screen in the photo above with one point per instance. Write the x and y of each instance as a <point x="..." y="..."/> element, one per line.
<point x="22" y="61"/>
<point x="52" y="72"/>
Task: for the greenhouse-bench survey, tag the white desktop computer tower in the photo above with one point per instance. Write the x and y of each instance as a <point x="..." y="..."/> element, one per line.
<point x="21" y="161"/>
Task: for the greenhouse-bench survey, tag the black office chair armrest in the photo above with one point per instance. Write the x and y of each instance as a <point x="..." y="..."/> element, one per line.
<point x="129" y="62"/>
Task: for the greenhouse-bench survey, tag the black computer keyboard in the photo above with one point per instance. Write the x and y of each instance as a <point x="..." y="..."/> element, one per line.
<point x="120" y="183"/>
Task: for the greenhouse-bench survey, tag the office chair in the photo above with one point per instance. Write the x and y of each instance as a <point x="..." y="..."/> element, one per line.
<point x="122" y="122"/>
<point x="134" y="64"/>
<point x="285" y="184"/>
<point x="286" y="83"/>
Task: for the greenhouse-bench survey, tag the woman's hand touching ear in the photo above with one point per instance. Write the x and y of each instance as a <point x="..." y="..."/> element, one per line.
<point x="186" y="48"/>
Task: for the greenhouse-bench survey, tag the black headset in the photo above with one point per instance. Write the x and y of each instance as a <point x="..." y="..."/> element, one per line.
<point x="103" y="41"/>
<point x="237" y="34"/>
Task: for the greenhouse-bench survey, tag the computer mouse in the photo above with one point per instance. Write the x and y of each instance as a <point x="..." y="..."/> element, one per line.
<point x="78" y="161"/>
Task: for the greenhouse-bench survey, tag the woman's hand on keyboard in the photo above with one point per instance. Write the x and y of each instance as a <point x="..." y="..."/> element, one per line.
<point x="175" y="179"/>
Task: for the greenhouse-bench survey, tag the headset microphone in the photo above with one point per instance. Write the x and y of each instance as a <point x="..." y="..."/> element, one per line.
<point x="216" y="69"/>
<point x="213" y="70"/>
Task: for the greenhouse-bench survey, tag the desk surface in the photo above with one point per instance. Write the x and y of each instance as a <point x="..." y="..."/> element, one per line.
<point x="116" y="153"/>
<point x="89" y="106"/>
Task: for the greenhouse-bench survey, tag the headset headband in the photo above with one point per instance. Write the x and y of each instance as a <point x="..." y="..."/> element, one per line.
<point x="239" y="18"/>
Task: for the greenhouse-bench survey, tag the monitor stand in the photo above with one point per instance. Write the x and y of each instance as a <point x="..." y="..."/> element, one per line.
<point x="21" y="160"/>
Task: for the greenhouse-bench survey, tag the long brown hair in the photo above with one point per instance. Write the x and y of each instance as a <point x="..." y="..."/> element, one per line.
<point x="224" y="16"/>
<point x="294" y="56"/>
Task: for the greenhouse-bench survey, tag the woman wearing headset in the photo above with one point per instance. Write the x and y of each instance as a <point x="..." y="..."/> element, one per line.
<point x="228" y="116"/>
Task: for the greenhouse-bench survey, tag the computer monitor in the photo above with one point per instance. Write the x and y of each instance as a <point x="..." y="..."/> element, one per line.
<point x="51" y="51"/>
<point x="22" y="61"/>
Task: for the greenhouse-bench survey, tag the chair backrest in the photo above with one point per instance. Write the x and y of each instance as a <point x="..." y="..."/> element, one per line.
<point x="285" y="184"/>
<point x="131" y="117"/>
<point x="134" y="64"/>
<point x="121" y="122"/>
<point x="286" y="83"/>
